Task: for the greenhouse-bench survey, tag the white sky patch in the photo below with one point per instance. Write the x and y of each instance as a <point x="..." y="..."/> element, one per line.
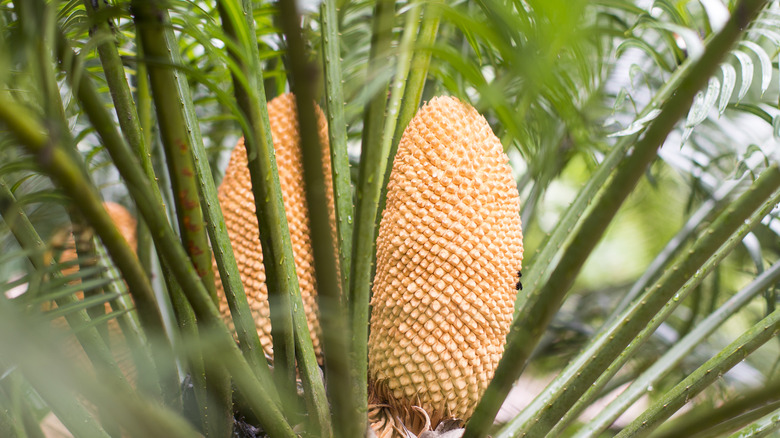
<point x="717" y="12"/>
<point x="218" y="43"/>
<point x="17" y="290"/>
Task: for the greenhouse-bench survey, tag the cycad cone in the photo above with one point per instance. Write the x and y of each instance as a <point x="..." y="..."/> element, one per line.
<point x="126" y="224"/>
<point x="448" y="255"/>
<point x="238" y="206"/>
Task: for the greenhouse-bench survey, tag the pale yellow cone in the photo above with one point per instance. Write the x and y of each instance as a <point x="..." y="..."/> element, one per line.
<point x="126" y="224"/>
<point x="238" y="207"/>
<point x="448" y="255"/>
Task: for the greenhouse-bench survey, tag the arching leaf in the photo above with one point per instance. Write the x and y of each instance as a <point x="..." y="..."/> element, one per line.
<point x="637" y="125"/>
<point x="729" y="76"/>
<point x="693" y="43"/>
<point x="766" y="63"/>
<point x="769" y="34"/>
<point x="702" y="104"/>
<point x="746" y="64"/>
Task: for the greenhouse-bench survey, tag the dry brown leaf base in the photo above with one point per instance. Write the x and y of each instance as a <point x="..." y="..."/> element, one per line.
<point x="386" y="421"/>
<point x="401" y="420"/>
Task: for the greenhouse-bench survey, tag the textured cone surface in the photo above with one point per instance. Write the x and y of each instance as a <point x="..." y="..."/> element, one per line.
<point x="238" y="207"/>
<point x="123" y="220"/>
<point x="448" y="255"/>
<point x="126" y="224"/>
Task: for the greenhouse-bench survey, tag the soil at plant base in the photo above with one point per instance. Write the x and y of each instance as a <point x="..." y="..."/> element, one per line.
<point x="242" y="429"/>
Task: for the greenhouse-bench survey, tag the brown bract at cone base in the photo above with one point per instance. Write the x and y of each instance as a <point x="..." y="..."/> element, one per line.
<point x="238" y="206"/>
<point x="448" y="255"/>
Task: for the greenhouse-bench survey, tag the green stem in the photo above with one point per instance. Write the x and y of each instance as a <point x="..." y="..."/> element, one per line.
<point x="135" y="124"/>
<point x="53" y="106"/>
<point x="224" y="256"/>
<point x="691" y="285"/>
<point x="333" y="315"/>
<point x="140" y="348"/>
<point x="704" y="376"/>
<point x="30" y="133"/>
<point x="579" y="375"/>
<point x="129" y="122"/>
<point x="337" y="134"/>
<point x="176" y="131"/>
<point x="729" y="416"/>
<point x="398" y="88"/>
<point x="415" y="82"/>
<point x="114" y="71"/>
<point x="373" y="164"/>
<point x="188" y="334"/>
<point x="350" y="409"/>
<point x="94" y="107"/>
<point x="389" y="141"/>
<point x="671" y="358"/>
<point x="180" y="133"/>
<point x="278" y="259"/>
<point x="761" y="428"/>
<point x="88" y="336"/>
<point x="144" y="99"/>
<point x="32" y="348"/>
<point x="539" y="309"/>
<point x="702" y="215"/>
<point x="284" y="295"/>
<point x="72" y="413"/>
<point x="80" y="322"/>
